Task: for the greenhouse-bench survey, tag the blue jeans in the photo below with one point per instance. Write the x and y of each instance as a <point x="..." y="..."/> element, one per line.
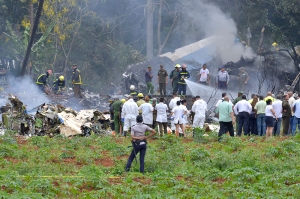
<point x="296" y="122"/>
<point x="276" y="129"/>
<point x="291" y="125"/>
<point x="181" y="88"/>
<point x="137" y="149"/>
<point x="261" y="125"/>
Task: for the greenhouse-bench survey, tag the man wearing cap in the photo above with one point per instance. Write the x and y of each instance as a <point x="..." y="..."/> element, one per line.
<point x="140" y="101"/>
<point x="148" y="79"/>
<point x="243" y="79"/>
<point x="182" y="75"/>
<point x="222" y="78"/>
<point x="162" y="80"/>
<point x="204" y="75"/>
<point x="174" y="77"/>
<point x="286" y="114"/>
<point x="76" y="81"/>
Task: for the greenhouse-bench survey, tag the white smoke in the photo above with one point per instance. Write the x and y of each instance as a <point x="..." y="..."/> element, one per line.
<point x="214" y="22"/>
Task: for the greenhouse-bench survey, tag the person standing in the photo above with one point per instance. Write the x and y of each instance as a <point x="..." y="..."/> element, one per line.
<point x="252" y="117"/>
<point x="161" y="118"/>
<point x="243" y="109"/>
<point x="277" y="107"/>
<point x="270" y="117"/>
<point x="286" y="114"/>
<point x="147" y="112"/>
<point x="154" y="102"/>
<point x="162" y="79"/>
<point x="204" y="77"/>
<point x="140" y="101"/>
<point x="117" y="107"/>
<point x="182" y="75"/>
<point x="76" y="81"/>
<point x="291" y="102"/>
<point x="148" y="80"/>
<point x="174" y="78"/>
<point x="222" y="78"/>
<point x="179" y="112"/>
<point x="41" y="81"/>
<point x="243" y="79"/>
<point x="296" y="120"/>
<point x="260" y="110"/>
<point x="226" y="117"/>
<point x="129" y="113"/>
<point x="133" y="93"/>
<point x="199" y="108"/>
<point x="139" y="142"/>
<point x="172" y="105"/>
<point x="235" y="101"/>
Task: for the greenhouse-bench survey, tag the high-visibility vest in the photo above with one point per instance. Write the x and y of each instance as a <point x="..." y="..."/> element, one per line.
<point x="79" y="76"/>
<point x="39" y="78"/>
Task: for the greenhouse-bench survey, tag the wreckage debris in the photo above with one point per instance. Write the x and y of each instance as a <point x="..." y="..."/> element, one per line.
<point x="52" y="119"/>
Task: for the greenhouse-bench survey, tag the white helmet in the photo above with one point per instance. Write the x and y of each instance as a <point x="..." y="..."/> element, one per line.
<point x="132" y="87"/>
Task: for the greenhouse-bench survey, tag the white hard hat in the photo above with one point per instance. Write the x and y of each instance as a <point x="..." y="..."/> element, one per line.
<point x="132" y="87"/>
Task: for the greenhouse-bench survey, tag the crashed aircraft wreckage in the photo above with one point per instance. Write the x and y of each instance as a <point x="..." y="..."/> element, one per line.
<point x="52" y="120"/>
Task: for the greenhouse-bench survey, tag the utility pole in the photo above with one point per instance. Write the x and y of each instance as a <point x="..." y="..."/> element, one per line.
<point x="149" y="29"/>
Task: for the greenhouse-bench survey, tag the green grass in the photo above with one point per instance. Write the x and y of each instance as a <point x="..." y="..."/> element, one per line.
<point x="198" y="167"/>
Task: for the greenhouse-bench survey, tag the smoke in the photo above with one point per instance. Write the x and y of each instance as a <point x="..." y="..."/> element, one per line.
<point x="27" y="91"/>
<point x="213" y="22"/>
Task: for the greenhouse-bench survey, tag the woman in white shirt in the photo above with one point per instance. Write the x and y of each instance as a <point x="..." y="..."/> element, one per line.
<point x="147" y="112"/>
<point x="179" y="112"/>
<point x="269" y="119"/>
<point x="161" y="117"/>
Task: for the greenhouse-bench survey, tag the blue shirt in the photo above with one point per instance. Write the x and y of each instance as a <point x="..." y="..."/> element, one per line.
<point x="148" y="76"/>
<point x="296" y="107"/>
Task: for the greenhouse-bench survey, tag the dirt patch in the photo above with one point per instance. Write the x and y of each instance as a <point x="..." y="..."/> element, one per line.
<point x="143" y="180"/>
<point x="106" y="162"/>
<point x="252" y="144"/>
<point x="219" y="180"/>
<point x="187" y="140"/>
<point x="116" y="180"/>
<point x="122" y="157"/>
<point x="21" y="140"/>
<point x="12" y="160"/>
<point x="179" y="178"/>
<point x="55" y="183"/>
<point x="119" y="140"/>
<point x="105" y="153"/>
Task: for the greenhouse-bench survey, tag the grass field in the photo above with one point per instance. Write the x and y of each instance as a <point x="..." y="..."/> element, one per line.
<point x="199" y="167"/>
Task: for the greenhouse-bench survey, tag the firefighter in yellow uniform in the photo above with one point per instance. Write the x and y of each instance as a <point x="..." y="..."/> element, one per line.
<point x="41" y="81"/>
<point x="76" y="81"/>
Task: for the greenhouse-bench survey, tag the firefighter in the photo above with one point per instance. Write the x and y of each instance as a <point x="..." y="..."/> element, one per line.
<point x="41" y="81"/>
<point x="133" y="93"/>
<point x="76" y="81"/>
<point x="182" y="75"/>
<point x="59" y="85"/>
<point x="174" y="78"/>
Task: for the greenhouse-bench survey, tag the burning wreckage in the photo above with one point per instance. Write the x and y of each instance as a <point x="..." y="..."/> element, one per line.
<point x="51" y="120"/>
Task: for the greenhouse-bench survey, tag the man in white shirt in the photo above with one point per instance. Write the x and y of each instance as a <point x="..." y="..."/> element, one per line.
<point x="129" y="113"/>
<point x="277" y="107"/>
<point x="172" y="105"/>
<point x="199" y="107"/>
<point x="243" y="108"/>
<point x="204" y="75"/>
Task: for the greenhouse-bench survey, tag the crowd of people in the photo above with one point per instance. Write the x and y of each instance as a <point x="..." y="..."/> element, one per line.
<point x="157" y="113"/>
<point x="261" y="115"/>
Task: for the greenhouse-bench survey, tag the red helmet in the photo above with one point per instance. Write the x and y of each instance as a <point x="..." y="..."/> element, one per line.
<point x="49" y="72"/>
<point x="184" y="66"/>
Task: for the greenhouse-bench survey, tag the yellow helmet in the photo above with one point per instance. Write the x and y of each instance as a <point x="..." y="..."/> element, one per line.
<point x="140" y="95"/>
<point x="177" y="66"/>
<point x="123" y="100"/>
<point x="274" y="44"/>
<point x="61" y="78"/>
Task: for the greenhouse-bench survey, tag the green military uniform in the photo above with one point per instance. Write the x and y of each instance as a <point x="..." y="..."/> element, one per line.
<point x="116" y="106"/>
<point x="174" y="78"/>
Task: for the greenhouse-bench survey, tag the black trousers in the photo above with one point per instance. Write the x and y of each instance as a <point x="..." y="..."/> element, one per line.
<point x="243" y="123"/>
<point x="163" y="127"/>
<point x="285" y="125"/>
<point x="224" y="127"/>
<point x="137" y="149"/>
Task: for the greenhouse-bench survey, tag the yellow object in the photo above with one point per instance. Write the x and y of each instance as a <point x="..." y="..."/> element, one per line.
<point x="61" y="78"/>
<point x="140" y="95"/>
<point x="123" y="100"/>
<point x="274" y="44"/>
<point x="177" y="66"/>
<point x="1" y="89"/>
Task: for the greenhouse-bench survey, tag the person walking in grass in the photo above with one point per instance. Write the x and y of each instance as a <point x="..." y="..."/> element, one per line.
<point x="270" y="118"/>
